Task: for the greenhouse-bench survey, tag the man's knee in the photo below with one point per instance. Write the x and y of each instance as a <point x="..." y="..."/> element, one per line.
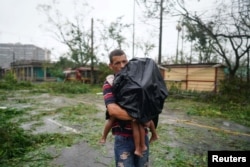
<point x="124" y="159"/>
<point x="124" y="155"/>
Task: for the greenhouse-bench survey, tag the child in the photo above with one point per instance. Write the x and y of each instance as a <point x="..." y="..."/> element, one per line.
<point x="138" y="134"/>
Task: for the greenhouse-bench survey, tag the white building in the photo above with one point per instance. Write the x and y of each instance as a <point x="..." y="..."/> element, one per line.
<point x="15" y="52"/>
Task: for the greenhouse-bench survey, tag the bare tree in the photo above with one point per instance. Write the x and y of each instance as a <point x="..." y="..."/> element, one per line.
<point x="113" y="35"/>
<point x="70" y="32"/>
<point x="227" y="30"/>
<point x="146" y="46"/>
<point x="156" y="10"/>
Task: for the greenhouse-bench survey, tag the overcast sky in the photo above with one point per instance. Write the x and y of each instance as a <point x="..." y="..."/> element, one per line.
<point x="21" y="22"/>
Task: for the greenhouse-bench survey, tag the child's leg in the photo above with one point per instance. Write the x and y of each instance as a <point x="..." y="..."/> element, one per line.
<point x="136" y="135"/>
<point x="154" y="135"/>
<point x="106" y="130"/>
<point x="142" y="137"/>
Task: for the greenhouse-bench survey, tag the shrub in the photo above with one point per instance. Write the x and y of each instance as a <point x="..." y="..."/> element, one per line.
<point x="14" y="141"/>
<point x="9" y="82"/>
<point x="234" y="90"/>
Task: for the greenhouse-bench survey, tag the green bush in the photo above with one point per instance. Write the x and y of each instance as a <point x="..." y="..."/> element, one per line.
<point x="234" y="90"/>
<point x="9" y="77"/>
<point x="10" y="83"/>
<point x="14" y="141"/>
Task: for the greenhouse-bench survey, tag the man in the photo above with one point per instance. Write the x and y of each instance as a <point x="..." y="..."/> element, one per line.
<point x="124" y="146"/>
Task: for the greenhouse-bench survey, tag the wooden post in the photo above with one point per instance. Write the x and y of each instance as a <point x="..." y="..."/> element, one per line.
<point x="92" y="51"/>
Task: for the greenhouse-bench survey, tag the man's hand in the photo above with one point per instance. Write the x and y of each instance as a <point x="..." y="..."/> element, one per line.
<point x="116" y="111"/>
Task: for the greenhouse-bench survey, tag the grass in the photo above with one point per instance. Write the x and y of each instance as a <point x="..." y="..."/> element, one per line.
<point x="22" y="148"/>
<point x="16" y="144"/>
<point x="170" y="149"/>
<point x="229" y="111"/>
<point x="36" y="153"/>
<point x="59" y="87"/>
<point x="166" y="152"/>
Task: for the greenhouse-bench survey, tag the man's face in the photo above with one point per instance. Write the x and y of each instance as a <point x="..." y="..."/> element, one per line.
<point x="118" y="63"/>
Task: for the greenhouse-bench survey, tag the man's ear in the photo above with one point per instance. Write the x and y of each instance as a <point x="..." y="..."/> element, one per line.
<point x="110" y="66"/>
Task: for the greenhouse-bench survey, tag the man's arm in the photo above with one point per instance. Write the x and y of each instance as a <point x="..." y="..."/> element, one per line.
<point x="116" y="111"/>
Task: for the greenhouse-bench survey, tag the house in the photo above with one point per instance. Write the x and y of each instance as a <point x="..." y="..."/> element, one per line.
<point x="32" y="70"/>
<point x="28" y="62"/>
<point x="194" y="77"/>
<point x="82" y="74"/>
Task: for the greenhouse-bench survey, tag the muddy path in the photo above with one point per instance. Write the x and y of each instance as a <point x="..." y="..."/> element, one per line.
<point x="196" y="134"/>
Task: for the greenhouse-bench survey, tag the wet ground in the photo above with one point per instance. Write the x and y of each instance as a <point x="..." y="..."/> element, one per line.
<point x="198" y="133"/>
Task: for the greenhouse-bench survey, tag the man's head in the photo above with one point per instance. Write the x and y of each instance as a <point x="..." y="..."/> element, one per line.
<point x="118" y="60"/>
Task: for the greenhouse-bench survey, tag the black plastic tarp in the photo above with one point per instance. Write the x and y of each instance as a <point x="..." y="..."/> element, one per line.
<point x="140" y="89"/>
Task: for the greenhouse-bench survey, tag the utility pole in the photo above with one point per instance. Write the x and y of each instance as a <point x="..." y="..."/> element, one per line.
<point x="13" y="63"/>
<point x="160" y="34"/>
<point x="133" y="47"/>
<point x="178" y="28"/>
<point x="92" y="51"/>
<point x="248" y="79"/>
<point x="14" y="57"/>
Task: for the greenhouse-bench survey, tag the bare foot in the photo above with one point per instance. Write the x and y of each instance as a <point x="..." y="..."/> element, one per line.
<point x="144" y="148"/>
<point x="138" y="153"/>
<point x="102" y="141"/>
<point x="153" y="138"/>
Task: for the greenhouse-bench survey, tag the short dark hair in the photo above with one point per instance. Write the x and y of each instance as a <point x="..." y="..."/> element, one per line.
<point x="116" y="52"/>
